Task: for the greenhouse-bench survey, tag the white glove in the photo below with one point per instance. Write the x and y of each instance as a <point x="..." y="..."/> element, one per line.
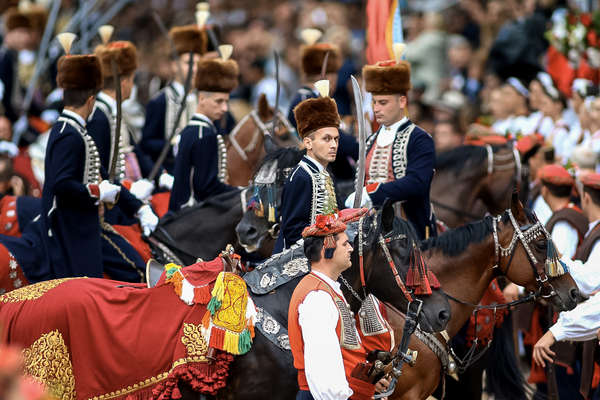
<point x="365" y="200"/>
<point x="108" y="191"/>
<point x="142" y="189"/>
<point x="148" y="220"/>
<point x="165" y="181"/>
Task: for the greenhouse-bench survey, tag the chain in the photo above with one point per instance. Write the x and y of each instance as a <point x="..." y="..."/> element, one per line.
<point x="350" y="288"/>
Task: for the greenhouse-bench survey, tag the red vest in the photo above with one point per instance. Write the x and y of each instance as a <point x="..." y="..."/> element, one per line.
<point x="351" y="357"/>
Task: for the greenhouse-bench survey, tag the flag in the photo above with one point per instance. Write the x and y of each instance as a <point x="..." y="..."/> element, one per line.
<point x="384" y="28"/>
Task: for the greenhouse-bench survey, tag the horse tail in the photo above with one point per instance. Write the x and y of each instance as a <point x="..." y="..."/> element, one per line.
<point x="503" y="376"/>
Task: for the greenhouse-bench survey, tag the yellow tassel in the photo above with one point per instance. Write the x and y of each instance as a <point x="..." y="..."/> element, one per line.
<point x="230" y="344"/>
<point x="206" y="319"/>
<point x="271" y="214"/>
<point x="219" y="290"/>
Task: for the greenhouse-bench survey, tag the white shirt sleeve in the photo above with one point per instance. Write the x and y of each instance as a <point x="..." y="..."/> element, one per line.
<point x="565" y="236"/>
<point x="586" y="275"/>
<point x="323" y="364"/>
<point x="579" y="324"/>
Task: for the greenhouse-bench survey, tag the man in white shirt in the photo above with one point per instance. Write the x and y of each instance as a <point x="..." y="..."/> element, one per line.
<point x="323" y="336"/>
<point x="580" y="323"/>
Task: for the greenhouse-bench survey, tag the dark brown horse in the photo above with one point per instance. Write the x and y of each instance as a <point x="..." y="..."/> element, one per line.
<point x="472" y="180"/>
<point x="245" y="143"/>
<point x="465" y="261"/>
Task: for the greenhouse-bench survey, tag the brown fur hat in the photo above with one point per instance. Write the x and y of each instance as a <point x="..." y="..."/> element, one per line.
<point x="8" y="4"/>
<point x="38" y="17"/>
<point x="124" y="53"/>
<point x="313" y="56"/>
<point x="189" y="38"/>
<point x="15" y="19"/>
<point x="216" y="75"/>
<point x="79" y="72"/>
<point x="313" y="114"/>
<point x="387" y="77"/>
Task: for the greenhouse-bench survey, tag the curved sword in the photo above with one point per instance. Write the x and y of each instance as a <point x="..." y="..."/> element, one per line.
<point x="276" y="109"/>
<point x="112" y="172"/>
<point x="360" y="119"/>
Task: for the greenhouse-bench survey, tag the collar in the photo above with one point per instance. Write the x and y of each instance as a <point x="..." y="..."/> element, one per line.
<point x="394" y="127"/>
<point x="334" y="285"/>
<point x="315" y="163"/>
<point x="387" y="134"/>
<point x="74" y="116"/>
<point x="591" y="227"/>
<point x="109" y="101"/>
<point x="204" y="118"/>
<point x="178" y="88"/>
<point x="313" y="90"/>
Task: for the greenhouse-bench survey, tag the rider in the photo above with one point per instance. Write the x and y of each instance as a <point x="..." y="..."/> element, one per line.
<point x="309" y="190"/>
<point x="74" y="184"/>
<point x="312" y="58"/>
<point x="201" y="161"/>
<point x="400" y="155"/>
<point x="161" y="110"/>
<point x="325" y="344"/>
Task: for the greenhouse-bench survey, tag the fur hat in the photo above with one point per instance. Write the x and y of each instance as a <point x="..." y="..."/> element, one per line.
<point x="313" y="56"/>
<point x="8" y="4"/>
<point x="313" y="114"/>
<point x="79" y="72"/>
<point x="124" y="53"/>
<point x="38" y="17"/>
<point x="15" y="19"/>
<point x="189" y="38"/>
<point x="387" y="77"/>
<point x="216" y="75"/>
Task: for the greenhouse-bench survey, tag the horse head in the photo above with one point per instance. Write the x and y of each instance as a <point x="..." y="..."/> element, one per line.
<point x="384" y="248"/>
<point x="259" y="227"/>
<point x="521" y="239"/>
<point x="246" y="143"/>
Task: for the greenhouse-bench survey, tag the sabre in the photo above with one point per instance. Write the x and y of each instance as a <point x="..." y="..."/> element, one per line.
<point x="360" y="118"/>
<point x="115" y="150"/>
<point x="276" y="110"/>
<point x="167" y="145"/>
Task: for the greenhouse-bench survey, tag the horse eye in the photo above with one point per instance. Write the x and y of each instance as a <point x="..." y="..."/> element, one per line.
<point x="541" y="245"/>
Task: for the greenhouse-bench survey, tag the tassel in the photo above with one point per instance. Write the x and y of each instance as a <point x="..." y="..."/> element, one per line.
<point x="260" y="211"/>
<point x="217" y="338"/>
<point x="202" y="295"/>
<point x="412" y="280"/>
<point x="206" y="319"/>
<point x="217" y="294"/>
<point x="171" y="269"/>
<point x="271" y="201"/>
<point x="177" y="281"/>
<point x="554" y="266"/>
<point x="271" y="213"/>
<point x="433" y="280"/>
<point x="245" y="342"/>
<point x="231" y="342"/>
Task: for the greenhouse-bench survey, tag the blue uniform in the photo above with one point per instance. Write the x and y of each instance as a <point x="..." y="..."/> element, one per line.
<point x="307" y="193"/>
<point x="101" y="127"/>
<point x="8" y="76"/>
<point x="341" y="168"/>
<point x="411" y="161"/>
<point x="200" y="165"/>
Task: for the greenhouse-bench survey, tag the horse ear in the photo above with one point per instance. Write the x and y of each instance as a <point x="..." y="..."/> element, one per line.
<point x="263" y="109"/>
<point x="515" y="205"/>
<point x="387" y="216"/>
<point x="270" y="145"/>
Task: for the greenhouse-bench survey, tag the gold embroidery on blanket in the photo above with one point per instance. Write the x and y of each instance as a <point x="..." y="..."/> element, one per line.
<point x="192" y="339"/>
<point x="32" y="292"/>
<point x="47" y="359"/>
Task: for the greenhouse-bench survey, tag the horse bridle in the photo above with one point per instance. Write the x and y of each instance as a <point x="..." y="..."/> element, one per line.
<point x="262" y="128"/>
<point x="525" y="235"/>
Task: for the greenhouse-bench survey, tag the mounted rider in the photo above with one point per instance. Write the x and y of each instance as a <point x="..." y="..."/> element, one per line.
<point x="326" y="347"/>
<point x="201" y="161"/>
<point x="400" y="155"/>
<point x="161" y="110"/>
<point x="312" y="59"/>
<point x="309" y="190"/>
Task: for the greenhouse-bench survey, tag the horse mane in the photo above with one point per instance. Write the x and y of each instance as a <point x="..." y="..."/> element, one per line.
<point x="455" y="241"/>
<point x="457" y="159"/>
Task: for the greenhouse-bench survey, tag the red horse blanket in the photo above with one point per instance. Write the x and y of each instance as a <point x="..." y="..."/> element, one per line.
<point x="102" y="339"/>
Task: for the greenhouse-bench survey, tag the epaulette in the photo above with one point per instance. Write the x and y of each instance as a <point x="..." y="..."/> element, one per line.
<point x="200" y="124"/>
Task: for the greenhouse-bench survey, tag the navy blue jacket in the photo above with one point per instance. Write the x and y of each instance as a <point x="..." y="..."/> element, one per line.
<point x="153" y="132"/>
<point x="8" y="59"/>
<point x="197" y="164"/>
<point x="413" y="189"/>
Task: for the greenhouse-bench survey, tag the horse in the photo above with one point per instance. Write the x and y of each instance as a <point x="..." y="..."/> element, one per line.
<point x="472" y="180"/>
<point x="203" y="230"/>
<point x="278" y="378"/>
<point x="465" y="260"/>
<point x="245" y="142"/>
<point x="49" y="319"/>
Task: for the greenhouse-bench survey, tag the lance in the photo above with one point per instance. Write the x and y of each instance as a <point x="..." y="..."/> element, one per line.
<point x="360" y="119"/>
<point x="112" y="173"/>
<point x="167" y="145"/>
<point x="276" y="109"/>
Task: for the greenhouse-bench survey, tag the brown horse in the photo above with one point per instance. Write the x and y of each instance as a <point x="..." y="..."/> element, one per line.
<point x="466" y="260"/>
<point x="471" y="180"/>
<point x="245" y="143"/>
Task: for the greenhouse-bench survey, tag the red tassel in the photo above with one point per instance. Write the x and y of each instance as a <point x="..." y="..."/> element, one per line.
<point x="202" y="295"/>
<point x="433" y="280"/>
<point x="329" y="242"/>
<point x="423" y="287"/>
<point x="217" y="338"/>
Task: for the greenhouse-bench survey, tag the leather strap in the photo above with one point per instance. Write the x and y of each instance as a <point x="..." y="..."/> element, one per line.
<point x="587" y="367"/>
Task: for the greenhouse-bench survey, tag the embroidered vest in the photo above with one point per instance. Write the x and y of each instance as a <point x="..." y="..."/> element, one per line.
<point x="323" y="192"/>
<point x="584" y="250"/>
<point x="573" y="215"/>
<point x="221" y="149"/>
<point x="125" y="146"/>
<point x="352" y="350"/>
<point x="172" y="102"/>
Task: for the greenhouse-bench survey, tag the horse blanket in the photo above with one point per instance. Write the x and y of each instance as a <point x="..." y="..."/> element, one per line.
<point x="101" y="339"/>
